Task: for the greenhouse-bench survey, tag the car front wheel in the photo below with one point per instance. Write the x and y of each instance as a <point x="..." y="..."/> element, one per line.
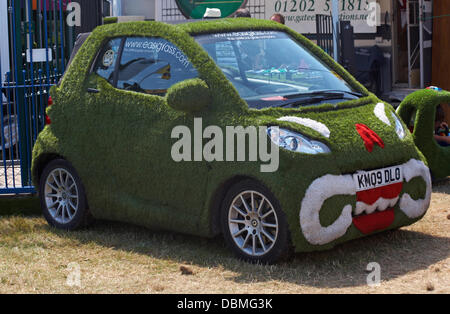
<point x="62" y="196"/>
<point x="253" y="224"/>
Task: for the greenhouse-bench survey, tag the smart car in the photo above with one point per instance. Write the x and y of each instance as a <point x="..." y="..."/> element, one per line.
<point x="135" y="93"/>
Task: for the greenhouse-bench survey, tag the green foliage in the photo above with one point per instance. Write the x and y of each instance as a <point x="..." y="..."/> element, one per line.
<point x="423" y="104"/>
<point x="189" y="96"/>
<point x="120" y="141"/>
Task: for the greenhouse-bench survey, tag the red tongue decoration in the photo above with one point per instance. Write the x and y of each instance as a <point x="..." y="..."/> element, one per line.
<point x="374" y="222"/>
<point x="369" y="137"/>
<point x="368" y="223"/>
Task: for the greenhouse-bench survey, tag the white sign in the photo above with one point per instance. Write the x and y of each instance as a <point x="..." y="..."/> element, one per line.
<point x="39" y="55"/>
<point x="300" y="15"/>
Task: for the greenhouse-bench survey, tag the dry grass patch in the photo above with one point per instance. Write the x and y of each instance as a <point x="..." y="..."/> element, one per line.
<point x="120" y="258"/>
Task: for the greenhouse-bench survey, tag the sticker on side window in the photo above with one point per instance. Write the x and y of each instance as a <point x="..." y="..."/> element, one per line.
<point x="156" y="47"/>
<point x="108" y="58"/>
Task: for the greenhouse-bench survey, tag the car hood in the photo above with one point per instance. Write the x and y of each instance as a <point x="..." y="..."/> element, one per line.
<point x="360" y="134"/>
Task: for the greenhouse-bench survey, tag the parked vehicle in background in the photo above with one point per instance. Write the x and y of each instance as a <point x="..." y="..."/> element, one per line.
<point x="418" y="111"/>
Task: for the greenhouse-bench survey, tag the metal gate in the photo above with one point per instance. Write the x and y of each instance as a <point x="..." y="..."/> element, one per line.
<point x="325" y="32"/>
<point x="37" y="52"/>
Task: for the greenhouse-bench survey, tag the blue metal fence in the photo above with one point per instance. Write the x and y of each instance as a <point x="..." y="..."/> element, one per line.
<point x="38" y="40"/>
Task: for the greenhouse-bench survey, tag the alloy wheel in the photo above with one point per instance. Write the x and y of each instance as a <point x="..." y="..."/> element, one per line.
<point x="61" y="195"/>
<point x="253" y="223"/>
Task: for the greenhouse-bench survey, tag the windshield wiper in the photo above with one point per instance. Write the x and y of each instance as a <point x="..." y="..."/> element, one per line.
<point x="307" y="99"/>
<point x="323" y="93"/>
<point x="343" y="91"/>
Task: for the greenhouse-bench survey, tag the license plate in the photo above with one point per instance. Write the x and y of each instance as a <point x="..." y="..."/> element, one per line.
<point x="367" y="180"/>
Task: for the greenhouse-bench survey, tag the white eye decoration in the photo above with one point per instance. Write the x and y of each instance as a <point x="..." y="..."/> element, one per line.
<point x="312" y="124"/>
<point x="380" y="113"/>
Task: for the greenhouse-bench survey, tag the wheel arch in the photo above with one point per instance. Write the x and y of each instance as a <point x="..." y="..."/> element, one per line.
<point x="39" y="165"/>
<point x="219" y="196"/>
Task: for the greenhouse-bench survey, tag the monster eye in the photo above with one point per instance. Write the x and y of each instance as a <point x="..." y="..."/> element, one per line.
<point x="310" y="123"/>
<point x="380" y="113"/>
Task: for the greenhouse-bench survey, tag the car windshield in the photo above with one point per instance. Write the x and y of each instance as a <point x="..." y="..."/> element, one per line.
<point x="269" y="68"/>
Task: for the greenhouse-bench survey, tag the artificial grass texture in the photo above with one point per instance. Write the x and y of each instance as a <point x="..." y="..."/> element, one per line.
<point x="120" y="141"/>
<point x="189" y="96"/>
<point x="110" y="20"/>
<point x="423" y="104"/>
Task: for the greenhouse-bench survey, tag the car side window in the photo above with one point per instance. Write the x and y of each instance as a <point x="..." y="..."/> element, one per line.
<point x="106" y="60"/>
<point x="152" y="65"/>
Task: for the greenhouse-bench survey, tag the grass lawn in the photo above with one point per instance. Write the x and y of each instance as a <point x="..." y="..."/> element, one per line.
<point x="119" y="258"/>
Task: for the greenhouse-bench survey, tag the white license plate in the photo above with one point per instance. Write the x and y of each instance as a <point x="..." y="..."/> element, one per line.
<point x="367" y="180"/>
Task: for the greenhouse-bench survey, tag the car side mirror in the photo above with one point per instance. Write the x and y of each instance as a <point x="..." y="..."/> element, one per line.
<point x="189" y="96"/>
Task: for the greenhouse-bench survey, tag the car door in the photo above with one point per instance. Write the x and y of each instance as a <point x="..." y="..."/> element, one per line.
<point x="127" y="87"/>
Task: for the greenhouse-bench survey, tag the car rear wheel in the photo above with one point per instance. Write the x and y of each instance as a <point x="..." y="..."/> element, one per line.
<point x="62" y="196"/>
<point x="253" y="224"/>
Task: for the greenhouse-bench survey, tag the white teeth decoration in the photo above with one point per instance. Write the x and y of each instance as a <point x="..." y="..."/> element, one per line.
<point x="320" y="190"/>
<point x="410" y="207"/>
<point x="329" y="185"/>
<point x="380" y="112"/>
<point x="381" y="204"/>
<point x="312" y="124"/>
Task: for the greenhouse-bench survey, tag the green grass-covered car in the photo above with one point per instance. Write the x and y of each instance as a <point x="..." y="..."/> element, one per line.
<point x="342" y="164"/>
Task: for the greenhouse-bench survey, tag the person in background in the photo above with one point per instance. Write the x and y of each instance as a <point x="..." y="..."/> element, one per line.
<point x="277" y="17"/>
<point x="441" y="133"/>
<point x="243" y="12"/>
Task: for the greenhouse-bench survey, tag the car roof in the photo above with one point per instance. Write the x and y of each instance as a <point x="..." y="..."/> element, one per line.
<point x="211" y="25"/>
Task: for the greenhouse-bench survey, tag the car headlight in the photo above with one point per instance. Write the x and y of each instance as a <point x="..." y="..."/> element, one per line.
<point x="296" y="142"/>
<point x="398" y="126"/>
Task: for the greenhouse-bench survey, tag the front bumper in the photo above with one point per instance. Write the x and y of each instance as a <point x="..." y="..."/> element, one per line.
<point x="328" y="186"/>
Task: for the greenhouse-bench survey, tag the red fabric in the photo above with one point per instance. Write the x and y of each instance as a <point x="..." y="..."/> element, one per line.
<point x="374" y="222"/>
<point x="369" y="137"/>
<point x="387" y="192"/>
<point x="49" y="4"/>
<point x="402" y="3"/>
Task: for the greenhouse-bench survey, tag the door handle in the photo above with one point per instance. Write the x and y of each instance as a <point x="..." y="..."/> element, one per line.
<point x="93" y="90"/>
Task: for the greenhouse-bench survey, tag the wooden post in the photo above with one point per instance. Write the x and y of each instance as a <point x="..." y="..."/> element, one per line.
<point x="441" y="48"/>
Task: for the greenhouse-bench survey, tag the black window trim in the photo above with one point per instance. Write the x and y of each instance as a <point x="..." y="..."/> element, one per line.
<point x="117" y="65"/>
<point x="119" y="56"/>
